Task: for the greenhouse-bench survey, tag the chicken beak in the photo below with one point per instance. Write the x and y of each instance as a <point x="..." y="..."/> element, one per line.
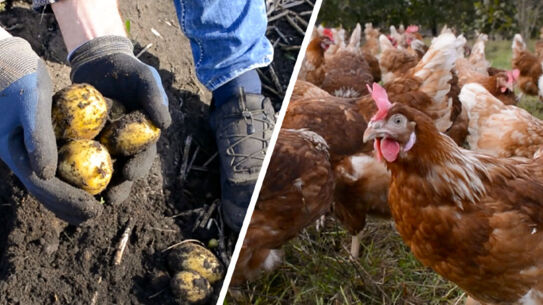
<point x="369" y="134"/>
<point x="373" y="131"/>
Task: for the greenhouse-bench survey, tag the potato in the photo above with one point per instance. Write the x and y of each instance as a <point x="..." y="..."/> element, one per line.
<point x="85" y="164"/>
<point x="190" y="287"/>
<point x="191" y="256"/>
<point x="129" y="135"/>
<point x="79" y="112"/>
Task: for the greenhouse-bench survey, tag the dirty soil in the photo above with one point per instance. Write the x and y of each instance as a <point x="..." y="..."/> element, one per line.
<point x="46" y="261"/>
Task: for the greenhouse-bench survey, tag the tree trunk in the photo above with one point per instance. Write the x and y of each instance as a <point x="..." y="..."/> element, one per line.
<point x="527" y="13"/>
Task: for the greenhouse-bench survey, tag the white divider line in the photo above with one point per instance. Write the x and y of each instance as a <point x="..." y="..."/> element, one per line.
<point x="258" y="186"/>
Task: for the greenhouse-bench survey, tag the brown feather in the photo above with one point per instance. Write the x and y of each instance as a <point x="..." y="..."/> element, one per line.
<point x="297" y="189"/>
<point x="374" y="66"/>
<point x="475" y="219"/>
<point x="336" y="120"/>
<point x="346" y="74"/>
<point x="497" y="129"/>
<point x="493" y="83"/>
<point x="529" y="66"/>
<point x="312" y="70"/>
<point x="304" y="89"/>
<point x="395" y="63"/>
<point x="361" y="189"/>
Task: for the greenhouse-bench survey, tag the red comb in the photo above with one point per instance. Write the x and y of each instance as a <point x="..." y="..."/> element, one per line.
<point x="412" y="29"/>
<point x="327" y="32"/>
<point x="380" y="97"/>
<point x="512" y="76"/>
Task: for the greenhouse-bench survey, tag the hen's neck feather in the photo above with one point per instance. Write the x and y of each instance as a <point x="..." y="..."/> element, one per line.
<point x="457" y="175"/>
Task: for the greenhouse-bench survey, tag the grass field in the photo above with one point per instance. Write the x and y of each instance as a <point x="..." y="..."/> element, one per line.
<point x="318" y="270"/>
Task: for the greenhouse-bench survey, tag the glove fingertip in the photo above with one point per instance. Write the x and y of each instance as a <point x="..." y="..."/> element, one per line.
<point x="167" y="120"/>
<point x="159" y="114"/>
<point x="92" y="211"/>
<point x="117" y="194"/>
<point x="42" y="155"/>
<point x="157" y="103"/>
<point x="45" y="172"/>
<point x="139" y="166"/>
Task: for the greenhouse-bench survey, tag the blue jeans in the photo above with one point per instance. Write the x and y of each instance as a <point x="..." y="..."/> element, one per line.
<point x="227" y="37"/>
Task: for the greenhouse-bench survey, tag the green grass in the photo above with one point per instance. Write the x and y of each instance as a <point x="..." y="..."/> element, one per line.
<point x="499" y="53"/>
<point x="317" y="268"/>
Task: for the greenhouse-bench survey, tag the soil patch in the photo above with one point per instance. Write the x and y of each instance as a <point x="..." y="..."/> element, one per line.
<point x="45" y="261"/>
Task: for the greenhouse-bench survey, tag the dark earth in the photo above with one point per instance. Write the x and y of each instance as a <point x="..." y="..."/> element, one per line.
<point x="44" y="260"/>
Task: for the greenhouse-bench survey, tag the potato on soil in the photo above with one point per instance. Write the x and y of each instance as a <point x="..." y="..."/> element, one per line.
<point x="191" y="256"/>
<point x="85" y="164"/>
<point x="79" y="112"/>
<point x="190" y="287"/>
<point x="129" y="135"/>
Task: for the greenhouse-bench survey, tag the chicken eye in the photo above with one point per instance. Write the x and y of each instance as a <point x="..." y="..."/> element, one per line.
<point x="398" y="120"/>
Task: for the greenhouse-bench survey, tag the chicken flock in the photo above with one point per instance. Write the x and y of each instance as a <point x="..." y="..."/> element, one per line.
<point x="440" y="147"/>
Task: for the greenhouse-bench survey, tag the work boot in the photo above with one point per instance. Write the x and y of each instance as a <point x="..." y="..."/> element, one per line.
<point x="243" y="127"/>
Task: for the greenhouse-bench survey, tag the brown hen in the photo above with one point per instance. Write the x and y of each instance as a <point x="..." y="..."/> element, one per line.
<point x="312" y="66"/>
<point x="497" y="129"/>
<point x="529" y="66"/>
<point x="297" y="189"/>
<point x="476" y="220"/>
<point x="342" y="123"/>
<point x="500" y="84"/>
<point x="346" y="72"/>
<point x="394" y="62"/>
<point x="371" y="46"/>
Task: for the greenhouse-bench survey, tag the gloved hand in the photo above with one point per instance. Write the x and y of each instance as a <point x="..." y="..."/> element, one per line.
<point x="108" y="63"/>
<point x="27" y="140"/>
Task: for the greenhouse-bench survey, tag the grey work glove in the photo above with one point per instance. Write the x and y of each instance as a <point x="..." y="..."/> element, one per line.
<point x="108" y="63"/>
<point x="27" y="140"/>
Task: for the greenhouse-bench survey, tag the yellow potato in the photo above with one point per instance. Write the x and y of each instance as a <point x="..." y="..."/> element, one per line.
<point x="85" y="164"/>
<point x="191" y="256"/>
<point x="79" y="112"/>
<point x="190" y="287"/>
<point x="129" y="135"/>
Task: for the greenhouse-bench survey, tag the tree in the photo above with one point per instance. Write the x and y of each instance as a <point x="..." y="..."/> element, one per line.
<point x="528" y="15"/>
<point x="501" y="18"/>
<point x="495" y="17"/>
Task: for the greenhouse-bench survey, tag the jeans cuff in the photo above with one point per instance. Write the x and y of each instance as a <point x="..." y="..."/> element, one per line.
<point x="223" y="79"/>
